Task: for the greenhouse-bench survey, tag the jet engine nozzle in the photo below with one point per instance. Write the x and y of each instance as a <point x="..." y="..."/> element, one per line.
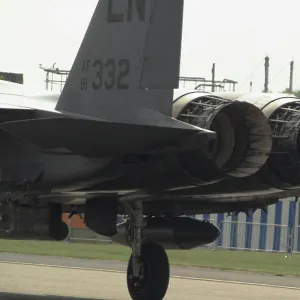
<point x="282" y="169"/>
<point x="244" y="136"/>
<point x="284" y="161"/>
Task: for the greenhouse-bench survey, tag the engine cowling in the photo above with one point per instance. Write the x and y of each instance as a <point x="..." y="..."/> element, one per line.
<point x="244" y="137"/>
<point x="283" y="113"/>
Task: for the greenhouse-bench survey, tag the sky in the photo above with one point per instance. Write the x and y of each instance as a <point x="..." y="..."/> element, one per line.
<point x="235" y="35"/>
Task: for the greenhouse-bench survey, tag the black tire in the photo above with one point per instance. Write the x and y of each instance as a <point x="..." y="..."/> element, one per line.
<point x="157" y="274"/>
<point x="59" y="232"/>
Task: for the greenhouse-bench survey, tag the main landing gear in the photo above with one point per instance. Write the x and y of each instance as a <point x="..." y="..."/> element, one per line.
<point x="148" y="270"/>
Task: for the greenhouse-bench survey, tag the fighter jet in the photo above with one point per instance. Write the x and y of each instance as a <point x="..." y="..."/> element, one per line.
<point x="121" y="139"/>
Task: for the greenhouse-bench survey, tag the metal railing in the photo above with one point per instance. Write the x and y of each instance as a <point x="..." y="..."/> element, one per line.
<point x="253" y="236"/>
<point x="295" y="239"/>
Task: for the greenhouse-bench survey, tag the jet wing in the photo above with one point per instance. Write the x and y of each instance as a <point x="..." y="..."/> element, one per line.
<point x="219" y="201"/>
<point x="246" y="196"/>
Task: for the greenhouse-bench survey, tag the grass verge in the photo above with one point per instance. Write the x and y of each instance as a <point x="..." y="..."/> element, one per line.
<point x="272" y="263"/>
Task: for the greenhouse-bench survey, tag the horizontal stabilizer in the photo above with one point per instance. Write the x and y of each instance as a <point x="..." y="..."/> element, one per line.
<point x="97" y="138"/>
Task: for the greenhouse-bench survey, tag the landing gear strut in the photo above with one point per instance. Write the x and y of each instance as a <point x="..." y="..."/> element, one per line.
<point x="148" y="270"/>
<point x="137" y="239"/>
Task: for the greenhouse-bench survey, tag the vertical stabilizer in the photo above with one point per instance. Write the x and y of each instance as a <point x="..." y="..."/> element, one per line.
<point x="128" y="63"/>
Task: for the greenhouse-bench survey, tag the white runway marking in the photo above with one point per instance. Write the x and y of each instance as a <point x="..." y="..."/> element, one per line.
<point x="177" y="277"/>
<point x="46" y="283"/>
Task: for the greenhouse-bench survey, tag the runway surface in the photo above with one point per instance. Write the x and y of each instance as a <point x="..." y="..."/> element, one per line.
<point x="53" y="278"/>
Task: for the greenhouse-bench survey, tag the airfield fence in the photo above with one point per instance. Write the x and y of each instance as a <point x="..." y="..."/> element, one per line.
<point x="295" y="239"/>
<point x="253" y="236"/>
<point x="234" y="236"/>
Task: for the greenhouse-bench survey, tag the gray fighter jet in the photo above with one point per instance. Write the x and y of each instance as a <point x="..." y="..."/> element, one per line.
<point x="119" y="140"/>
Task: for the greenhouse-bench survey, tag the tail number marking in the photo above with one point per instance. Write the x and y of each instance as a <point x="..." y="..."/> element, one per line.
<point x="109" y="74"/>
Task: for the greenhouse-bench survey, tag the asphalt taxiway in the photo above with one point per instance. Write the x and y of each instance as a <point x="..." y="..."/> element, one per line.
<point x="54" y="278"/>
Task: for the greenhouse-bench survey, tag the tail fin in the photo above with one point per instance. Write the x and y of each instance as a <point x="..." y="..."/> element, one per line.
<point x="128" y="63"/>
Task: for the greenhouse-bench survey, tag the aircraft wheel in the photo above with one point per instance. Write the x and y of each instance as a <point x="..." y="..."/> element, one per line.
<point x="155" y="273"/>
<point x="59" y="232"/>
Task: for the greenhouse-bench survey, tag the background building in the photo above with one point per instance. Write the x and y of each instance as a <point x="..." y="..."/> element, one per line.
<point x="276" y="230"/>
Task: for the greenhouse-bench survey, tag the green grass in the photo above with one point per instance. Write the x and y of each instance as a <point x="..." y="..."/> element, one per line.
<point x="273" y="263"/>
